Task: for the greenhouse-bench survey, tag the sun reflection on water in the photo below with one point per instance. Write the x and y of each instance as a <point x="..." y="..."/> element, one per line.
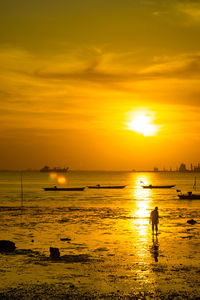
<point x="141" y="218"/>
<point x="143" y="200"/>
<point x="142" y="209"/>
<point x="141" y="228"/>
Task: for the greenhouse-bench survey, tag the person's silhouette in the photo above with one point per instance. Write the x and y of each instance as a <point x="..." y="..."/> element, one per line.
<point x="154" y="219"/>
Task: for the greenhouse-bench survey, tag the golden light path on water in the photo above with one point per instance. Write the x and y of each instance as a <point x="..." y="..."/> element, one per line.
<point x="142" y="197"/>
<point x="144" y="243"/>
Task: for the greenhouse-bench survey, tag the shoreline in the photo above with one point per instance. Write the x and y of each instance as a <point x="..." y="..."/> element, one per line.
<point x="70" y="290"/>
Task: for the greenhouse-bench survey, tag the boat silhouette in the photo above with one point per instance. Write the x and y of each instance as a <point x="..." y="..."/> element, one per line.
<point x="189" y="196"/>
<point x="56" y="170"/>
<point x="55" y="188"/>
<point x="150" y="186"/>
<point x="98" y="186"/>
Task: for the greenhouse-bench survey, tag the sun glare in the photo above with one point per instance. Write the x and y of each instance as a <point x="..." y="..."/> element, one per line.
<point x="142" y="123"/>
<point x="61" y="179"/>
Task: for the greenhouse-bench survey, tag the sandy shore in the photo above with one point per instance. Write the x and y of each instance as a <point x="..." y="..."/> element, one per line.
<point x="65" y="291"/>
<point x="97" y="276"/>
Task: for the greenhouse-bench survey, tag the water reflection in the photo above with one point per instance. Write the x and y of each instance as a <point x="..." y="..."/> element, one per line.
<point x="142" y="210"/>
<point x="141" y="213"/>
<point x="142" y="179"/>
<point x="141" y="218"/>
<point x="155" y="248"/>
<point x="141" y="221"/>
<point x="140" y="193"/>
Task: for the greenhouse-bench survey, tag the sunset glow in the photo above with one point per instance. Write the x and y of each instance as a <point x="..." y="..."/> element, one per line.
<point x="99" y="149"/>
<point x="143" y="123"/>
<point x="87" y="86"/>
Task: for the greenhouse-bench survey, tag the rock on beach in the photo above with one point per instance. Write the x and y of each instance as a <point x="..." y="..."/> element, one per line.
<point x="7" y="246"/>
<point x="192" y="222"/>
<point x="54" y="252"/>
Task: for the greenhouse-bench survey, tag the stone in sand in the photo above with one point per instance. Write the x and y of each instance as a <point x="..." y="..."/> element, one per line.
<point x="7" y="246"/>
<point x="65" y="239"/>
<point x="54" y="252"/>
<point x="192" y="222"/>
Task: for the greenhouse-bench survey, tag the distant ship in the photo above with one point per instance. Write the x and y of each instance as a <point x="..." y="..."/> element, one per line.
<point x="57" y="170"/>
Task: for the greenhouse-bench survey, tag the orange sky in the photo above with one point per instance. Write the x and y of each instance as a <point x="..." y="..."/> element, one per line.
<point x="74" y="73"/>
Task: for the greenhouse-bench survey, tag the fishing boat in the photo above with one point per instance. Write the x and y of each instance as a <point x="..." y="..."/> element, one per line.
<point x="55" y="188"/>
<point x="189" y="196"/>
<point x="98" y="186"/>
<point x="150" y="186"/>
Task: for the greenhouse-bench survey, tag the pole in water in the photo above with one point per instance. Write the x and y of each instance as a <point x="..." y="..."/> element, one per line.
<point x="22" y="193"/>
<point x="195" y="183"/>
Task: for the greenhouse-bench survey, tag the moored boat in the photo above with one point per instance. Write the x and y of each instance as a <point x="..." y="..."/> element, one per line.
<point x="189" y="196"/>
<point x="55" y="188"/>
<point x="98" y="186"/>
<point x="150" y="186"/>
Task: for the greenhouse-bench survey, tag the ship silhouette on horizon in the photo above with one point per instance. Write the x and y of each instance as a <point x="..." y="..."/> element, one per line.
<point x="56" y="169"/>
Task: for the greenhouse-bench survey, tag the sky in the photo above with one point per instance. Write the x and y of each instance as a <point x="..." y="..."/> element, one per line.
<point x="75" y="76"/>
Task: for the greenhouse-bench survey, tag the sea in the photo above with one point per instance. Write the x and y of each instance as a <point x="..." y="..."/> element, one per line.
<point x="108" y="228"/>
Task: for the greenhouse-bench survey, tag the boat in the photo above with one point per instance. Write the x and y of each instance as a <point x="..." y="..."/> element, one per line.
<point x="98" y="186"/>
<point x="189" y="196"/>
<point x="56" y="170"/>
<point x="55" y="188"/>
<point x="150" y="186"/>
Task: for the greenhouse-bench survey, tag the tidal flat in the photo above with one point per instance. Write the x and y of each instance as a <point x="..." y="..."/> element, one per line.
<point x="107" y="250"/>
<point x="105" y="253"/>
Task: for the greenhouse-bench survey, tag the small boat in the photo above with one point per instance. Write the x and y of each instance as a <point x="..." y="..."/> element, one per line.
<point x="55" y="188"/>
<point x="189" y="196"/>
<point x="98" y="186"/>
<point x="158" y="186"/>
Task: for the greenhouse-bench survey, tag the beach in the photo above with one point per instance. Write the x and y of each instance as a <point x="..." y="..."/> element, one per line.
<point x="107" y="249"/>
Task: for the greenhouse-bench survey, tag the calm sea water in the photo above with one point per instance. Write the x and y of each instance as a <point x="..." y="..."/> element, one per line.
<point x="34" y="182"/>
<point x="112" y="225"/>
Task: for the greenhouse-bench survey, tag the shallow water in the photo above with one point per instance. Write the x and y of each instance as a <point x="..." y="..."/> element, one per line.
<point x="110" y="226"/>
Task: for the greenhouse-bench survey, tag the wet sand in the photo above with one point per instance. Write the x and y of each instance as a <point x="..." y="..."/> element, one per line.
<point x="109" y="254"/>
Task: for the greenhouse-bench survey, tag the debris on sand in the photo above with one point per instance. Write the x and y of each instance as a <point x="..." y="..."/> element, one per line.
<point x="7" y="246"/>
<point x="65" y="239"/>
<point x="54" y="252"/>
<point x="192" y="222"/>
<point x="101" y="249"/>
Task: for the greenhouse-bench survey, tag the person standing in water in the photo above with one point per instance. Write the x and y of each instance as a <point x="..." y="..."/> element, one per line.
<point x="154" y="219"/>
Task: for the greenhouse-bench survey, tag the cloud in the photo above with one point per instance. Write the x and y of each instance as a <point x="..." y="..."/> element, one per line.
<point x="23" y="72"/>
<point x="66" y="87"/>
<point x="185" y="66"/>
<point x="190" y="9"/>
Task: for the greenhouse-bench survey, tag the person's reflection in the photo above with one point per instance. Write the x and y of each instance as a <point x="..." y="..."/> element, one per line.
<point x="155" y="248"/>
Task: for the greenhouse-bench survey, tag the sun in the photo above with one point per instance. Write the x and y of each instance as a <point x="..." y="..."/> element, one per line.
<point x="142" y="123"/>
